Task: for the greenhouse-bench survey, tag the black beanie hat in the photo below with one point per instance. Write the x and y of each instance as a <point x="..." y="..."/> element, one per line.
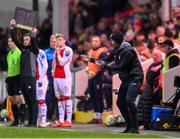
<point x="169" y="33"/>
<point x="117" y="37"/>
<point x="168" y="43"/>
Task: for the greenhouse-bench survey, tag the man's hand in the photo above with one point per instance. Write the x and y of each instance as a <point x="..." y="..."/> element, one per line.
<point x="34" y="32"/>
<point x="84" y="58"/>
<point x="91" y="74"/>
<point x="57" y="50"/>
<point x="12" y="23"/>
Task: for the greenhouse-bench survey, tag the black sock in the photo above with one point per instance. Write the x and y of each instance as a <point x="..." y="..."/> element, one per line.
<point x="22" y="112"/>
<point x="34" y="113"/>
<point x="15" y="113"/>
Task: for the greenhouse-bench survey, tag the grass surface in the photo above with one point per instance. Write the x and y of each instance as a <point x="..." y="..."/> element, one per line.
<point x="16" y="132"/>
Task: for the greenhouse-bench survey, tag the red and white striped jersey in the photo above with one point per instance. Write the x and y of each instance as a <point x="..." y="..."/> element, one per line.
<point x="41" y="65"/>
<point x="62" y="63"/>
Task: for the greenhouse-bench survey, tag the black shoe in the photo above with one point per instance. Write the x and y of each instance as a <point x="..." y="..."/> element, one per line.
<point x="127" y="130"/>
<point x="22" y="124"/>
<point x="33" y="125"/>
<point x="30" y="125"/>
<point x="134" y="131"/>
<point x="99" y="121"/>
<point x="95" y="121"/>
<point x="27" y="125"/>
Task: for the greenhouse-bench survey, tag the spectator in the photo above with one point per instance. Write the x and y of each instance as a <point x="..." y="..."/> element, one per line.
<point x="160" y="31"/>
<point x="172" y="60"/>
<point x="152" y="36"/>
<point x="152" y="93"/>
<point x="142" y="51"/>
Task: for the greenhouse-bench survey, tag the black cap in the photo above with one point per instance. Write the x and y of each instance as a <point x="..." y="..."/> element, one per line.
<point x="169" y="33"/>
<point x="168" y="43"/>
<point x="117" y="37"/>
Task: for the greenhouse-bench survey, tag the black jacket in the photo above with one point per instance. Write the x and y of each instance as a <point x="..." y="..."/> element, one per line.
<point x="28" y="56"/>
<point x="126" y="63"/>
<point x="3" y="57"/>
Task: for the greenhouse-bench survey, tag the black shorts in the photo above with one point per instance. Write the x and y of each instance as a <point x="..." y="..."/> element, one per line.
<point x="13" y="85"/>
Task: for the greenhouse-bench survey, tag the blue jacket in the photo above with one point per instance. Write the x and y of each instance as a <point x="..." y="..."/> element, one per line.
<point x="50" y="57"/>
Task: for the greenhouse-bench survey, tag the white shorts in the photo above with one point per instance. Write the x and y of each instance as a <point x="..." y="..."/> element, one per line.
<point x="62" y="87"/>
<point x="41" y="89"/>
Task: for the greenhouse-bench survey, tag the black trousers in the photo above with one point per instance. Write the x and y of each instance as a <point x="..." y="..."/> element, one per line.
<point x="51" y="100"/>
<point x="126" y="102"/>
<point x="28" y="88"/>
<point x="96" y="93"/>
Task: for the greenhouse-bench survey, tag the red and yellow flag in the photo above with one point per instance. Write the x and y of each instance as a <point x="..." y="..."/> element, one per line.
<point x="9" y="108"/>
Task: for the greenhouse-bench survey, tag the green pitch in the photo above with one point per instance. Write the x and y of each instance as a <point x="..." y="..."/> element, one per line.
<point x="16" y="132"/>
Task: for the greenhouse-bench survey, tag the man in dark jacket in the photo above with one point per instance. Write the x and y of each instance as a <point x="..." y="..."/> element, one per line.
<point x="29" y="51"/>
<point x="131" y="74"/>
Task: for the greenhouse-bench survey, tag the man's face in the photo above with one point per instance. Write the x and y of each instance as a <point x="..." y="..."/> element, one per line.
<point x="160" y="31"/>
<point x="114" y="44"/>
<point x="152" y="36"/>
<point x="60" y="41"/>
<point x="53" y="42"/>
<point x="26" y="40"/>
<point x="170" y="26"/>
<point x="11" y="44"/>
<point x="143" y="51"/>
<point x="141" y="48"/>
<point x="140" y="37"/>
<point x="95" y="42"/>
<point x="157" y="57"/>
<point x="164" y="49"/>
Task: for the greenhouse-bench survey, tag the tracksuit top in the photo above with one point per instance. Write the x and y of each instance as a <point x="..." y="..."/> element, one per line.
<point x="62" y="63"/>
<point x="41" y="65"/>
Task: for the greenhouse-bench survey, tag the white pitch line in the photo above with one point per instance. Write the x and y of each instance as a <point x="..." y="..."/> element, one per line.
<point x="64" y="129"/>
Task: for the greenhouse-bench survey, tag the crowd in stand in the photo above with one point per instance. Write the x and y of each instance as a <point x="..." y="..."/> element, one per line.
<point x="141" y="25"/>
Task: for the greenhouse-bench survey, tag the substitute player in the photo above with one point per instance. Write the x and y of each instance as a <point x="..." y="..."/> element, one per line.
<point x="41" y="88"/>
<point x="62" y="81"/>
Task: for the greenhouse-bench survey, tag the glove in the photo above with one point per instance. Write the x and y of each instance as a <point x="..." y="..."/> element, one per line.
<point x="106" y="67"/>
<point x="6" y="80"/>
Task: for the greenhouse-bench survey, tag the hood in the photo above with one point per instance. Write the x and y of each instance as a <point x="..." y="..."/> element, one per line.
<point x="125" y="46"/>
